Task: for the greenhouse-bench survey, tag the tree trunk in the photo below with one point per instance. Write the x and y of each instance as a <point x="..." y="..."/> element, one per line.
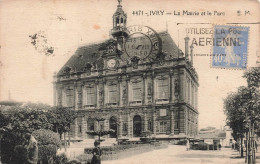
<point x="241" y="146"/>
<point x="69" y="140"/>
<point x="65" y="142"/>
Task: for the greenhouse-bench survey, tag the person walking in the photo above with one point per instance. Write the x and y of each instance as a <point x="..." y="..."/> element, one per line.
<point x="96" y="159"/>
<point x="188" y="145"/>
<point x="32" y="149"/>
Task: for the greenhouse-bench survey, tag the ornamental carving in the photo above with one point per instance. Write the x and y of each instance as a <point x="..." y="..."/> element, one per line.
<point x="161" y="57"/>
<point x="87" y="68"/>
<point x="134" y="61"/>
<point x="176" y="88"/>
<point x="101" y="95"/>
<point x="124" y="97"/>
<point x="67" y="71"/>
<point x="149" y="89"/>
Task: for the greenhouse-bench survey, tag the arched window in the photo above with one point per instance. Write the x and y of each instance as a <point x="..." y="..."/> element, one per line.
<point x="90" y="124"/>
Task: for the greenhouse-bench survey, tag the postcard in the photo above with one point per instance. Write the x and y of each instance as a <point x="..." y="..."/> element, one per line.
<point x="127" y="81"/>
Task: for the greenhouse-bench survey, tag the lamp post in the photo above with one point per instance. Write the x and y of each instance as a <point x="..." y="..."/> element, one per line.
<point x="99" y="130"/>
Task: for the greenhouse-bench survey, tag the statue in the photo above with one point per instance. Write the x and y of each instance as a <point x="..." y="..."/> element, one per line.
<point x="149" y="89"/>
<point x="176" y="88"/>
<point x="124" y="94"/>
<point x="101" y="92"/>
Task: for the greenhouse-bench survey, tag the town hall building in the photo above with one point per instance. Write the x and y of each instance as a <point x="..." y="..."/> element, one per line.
<point x="137" y="82"/>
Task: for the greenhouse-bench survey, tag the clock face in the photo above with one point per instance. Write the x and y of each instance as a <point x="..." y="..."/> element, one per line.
<point x="111" y="63"/>
<point x="142" y="42"/>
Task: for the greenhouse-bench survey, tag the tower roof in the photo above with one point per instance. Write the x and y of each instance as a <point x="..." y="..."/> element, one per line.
<point x="119" y="10"/>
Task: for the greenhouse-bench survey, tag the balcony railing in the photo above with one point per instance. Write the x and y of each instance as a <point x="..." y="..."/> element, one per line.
<point x="111" y="104"/>
<point x="161" y="101"/>
<point x="90" y="106"/>
<point x="139" y="102"/>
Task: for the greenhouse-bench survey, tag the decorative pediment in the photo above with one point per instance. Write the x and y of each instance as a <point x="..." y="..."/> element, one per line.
<point x="134" y="61"/>
<point x="67" y="71"/>
<point x="87" y="68"/>
<point x="161" y="57"/>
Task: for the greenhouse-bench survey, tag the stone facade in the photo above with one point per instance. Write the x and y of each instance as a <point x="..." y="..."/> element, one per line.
<point x="132" y="97"/>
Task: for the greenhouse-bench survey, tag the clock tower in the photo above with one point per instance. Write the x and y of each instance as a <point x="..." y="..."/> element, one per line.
<point x="115" y="47"/>
<point x="119" y="31"/>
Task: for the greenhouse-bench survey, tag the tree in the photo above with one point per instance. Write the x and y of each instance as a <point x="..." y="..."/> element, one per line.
<point x="241" y="107"/>
<point x="26" y="119"/>
<point x="61" y="119"/>
<point x="253" y="77"/>
<point x="48" y="142"/>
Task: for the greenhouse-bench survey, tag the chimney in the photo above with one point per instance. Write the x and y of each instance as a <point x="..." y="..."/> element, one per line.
<point x="187" y="47"/>
<point x="191" y="55"/>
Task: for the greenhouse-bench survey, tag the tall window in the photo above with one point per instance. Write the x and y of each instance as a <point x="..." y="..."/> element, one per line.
<point x="112" y="94"/>
<point x="137" y="91"/>
<point x="68" y="97"/>
<point x="163" y="126"/>
<point x="90" y="95"/>
<point x="163" y="88"/>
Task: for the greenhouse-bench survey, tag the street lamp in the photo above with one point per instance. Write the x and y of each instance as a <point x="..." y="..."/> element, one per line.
<point x="99" y="129"/>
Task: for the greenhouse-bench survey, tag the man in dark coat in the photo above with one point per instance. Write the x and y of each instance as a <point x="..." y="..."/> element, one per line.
<point x="32" y="149"/>
<point x="96" y="159"/>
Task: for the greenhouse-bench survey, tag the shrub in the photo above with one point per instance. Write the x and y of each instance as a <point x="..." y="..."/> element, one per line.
<point x="46" y="137"/>
<point x="60" y="159"/>
<point x="48" y="142"/>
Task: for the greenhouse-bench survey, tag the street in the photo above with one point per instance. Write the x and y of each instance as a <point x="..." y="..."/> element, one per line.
<point x="178" y="154"/>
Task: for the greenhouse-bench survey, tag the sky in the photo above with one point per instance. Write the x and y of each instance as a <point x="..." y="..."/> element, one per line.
<point x="27" y="72"/>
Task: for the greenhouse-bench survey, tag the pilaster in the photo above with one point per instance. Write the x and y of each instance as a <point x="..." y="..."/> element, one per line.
<point x="83" y="127"/>
<point x="130" y="126"/>
<point x="76" y="127"/>
<point x="145" y="121"/>
<point x="154" y="120"/>
<point x="120" y="129"/>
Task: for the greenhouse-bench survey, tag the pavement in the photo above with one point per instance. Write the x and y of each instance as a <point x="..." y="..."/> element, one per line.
<point x="176" y="154"/>
<point x="257" y="161"/>
<point x="77" y="148"/>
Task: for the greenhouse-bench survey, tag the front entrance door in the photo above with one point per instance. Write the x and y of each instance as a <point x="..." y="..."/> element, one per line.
<point x="137" y="126"/>
<point x="113" y="126"/>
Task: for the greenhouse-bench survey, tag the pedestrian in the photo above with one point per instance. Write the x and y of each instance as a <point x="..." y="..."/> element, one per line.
<point x="96" y="159"/>
<point x="219" y="146"/>
<point x="187" y="145"/>
<point x="256" y="146"/>
<point x="32" y="149"/>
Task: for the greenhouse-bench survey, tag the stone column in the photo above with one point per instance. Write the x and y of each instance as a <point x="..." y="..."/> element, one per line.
<point x="130" y="126"/>
<point x="144" y="89"/>
<point x="119" y="86"/>
<point x="153" y="87"/>
<point x="154" y="121"/>
<point x="120" y="128"/>
<point x="172" y="119"/>
<point x="101" y="93"/>
<point x="80" y="95"/>
<point x="59" y="92"/>
<point x="145" y="121"/>
<point x="76" y="127"/>
<point x="171" y="86"/>
<point x="83" y="127"/>
<point x="182" y="85"/>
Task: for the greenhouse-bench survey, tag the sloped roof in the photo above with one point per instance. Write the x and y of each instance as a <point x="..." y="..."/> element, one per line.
<point x="92" y="53"/>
